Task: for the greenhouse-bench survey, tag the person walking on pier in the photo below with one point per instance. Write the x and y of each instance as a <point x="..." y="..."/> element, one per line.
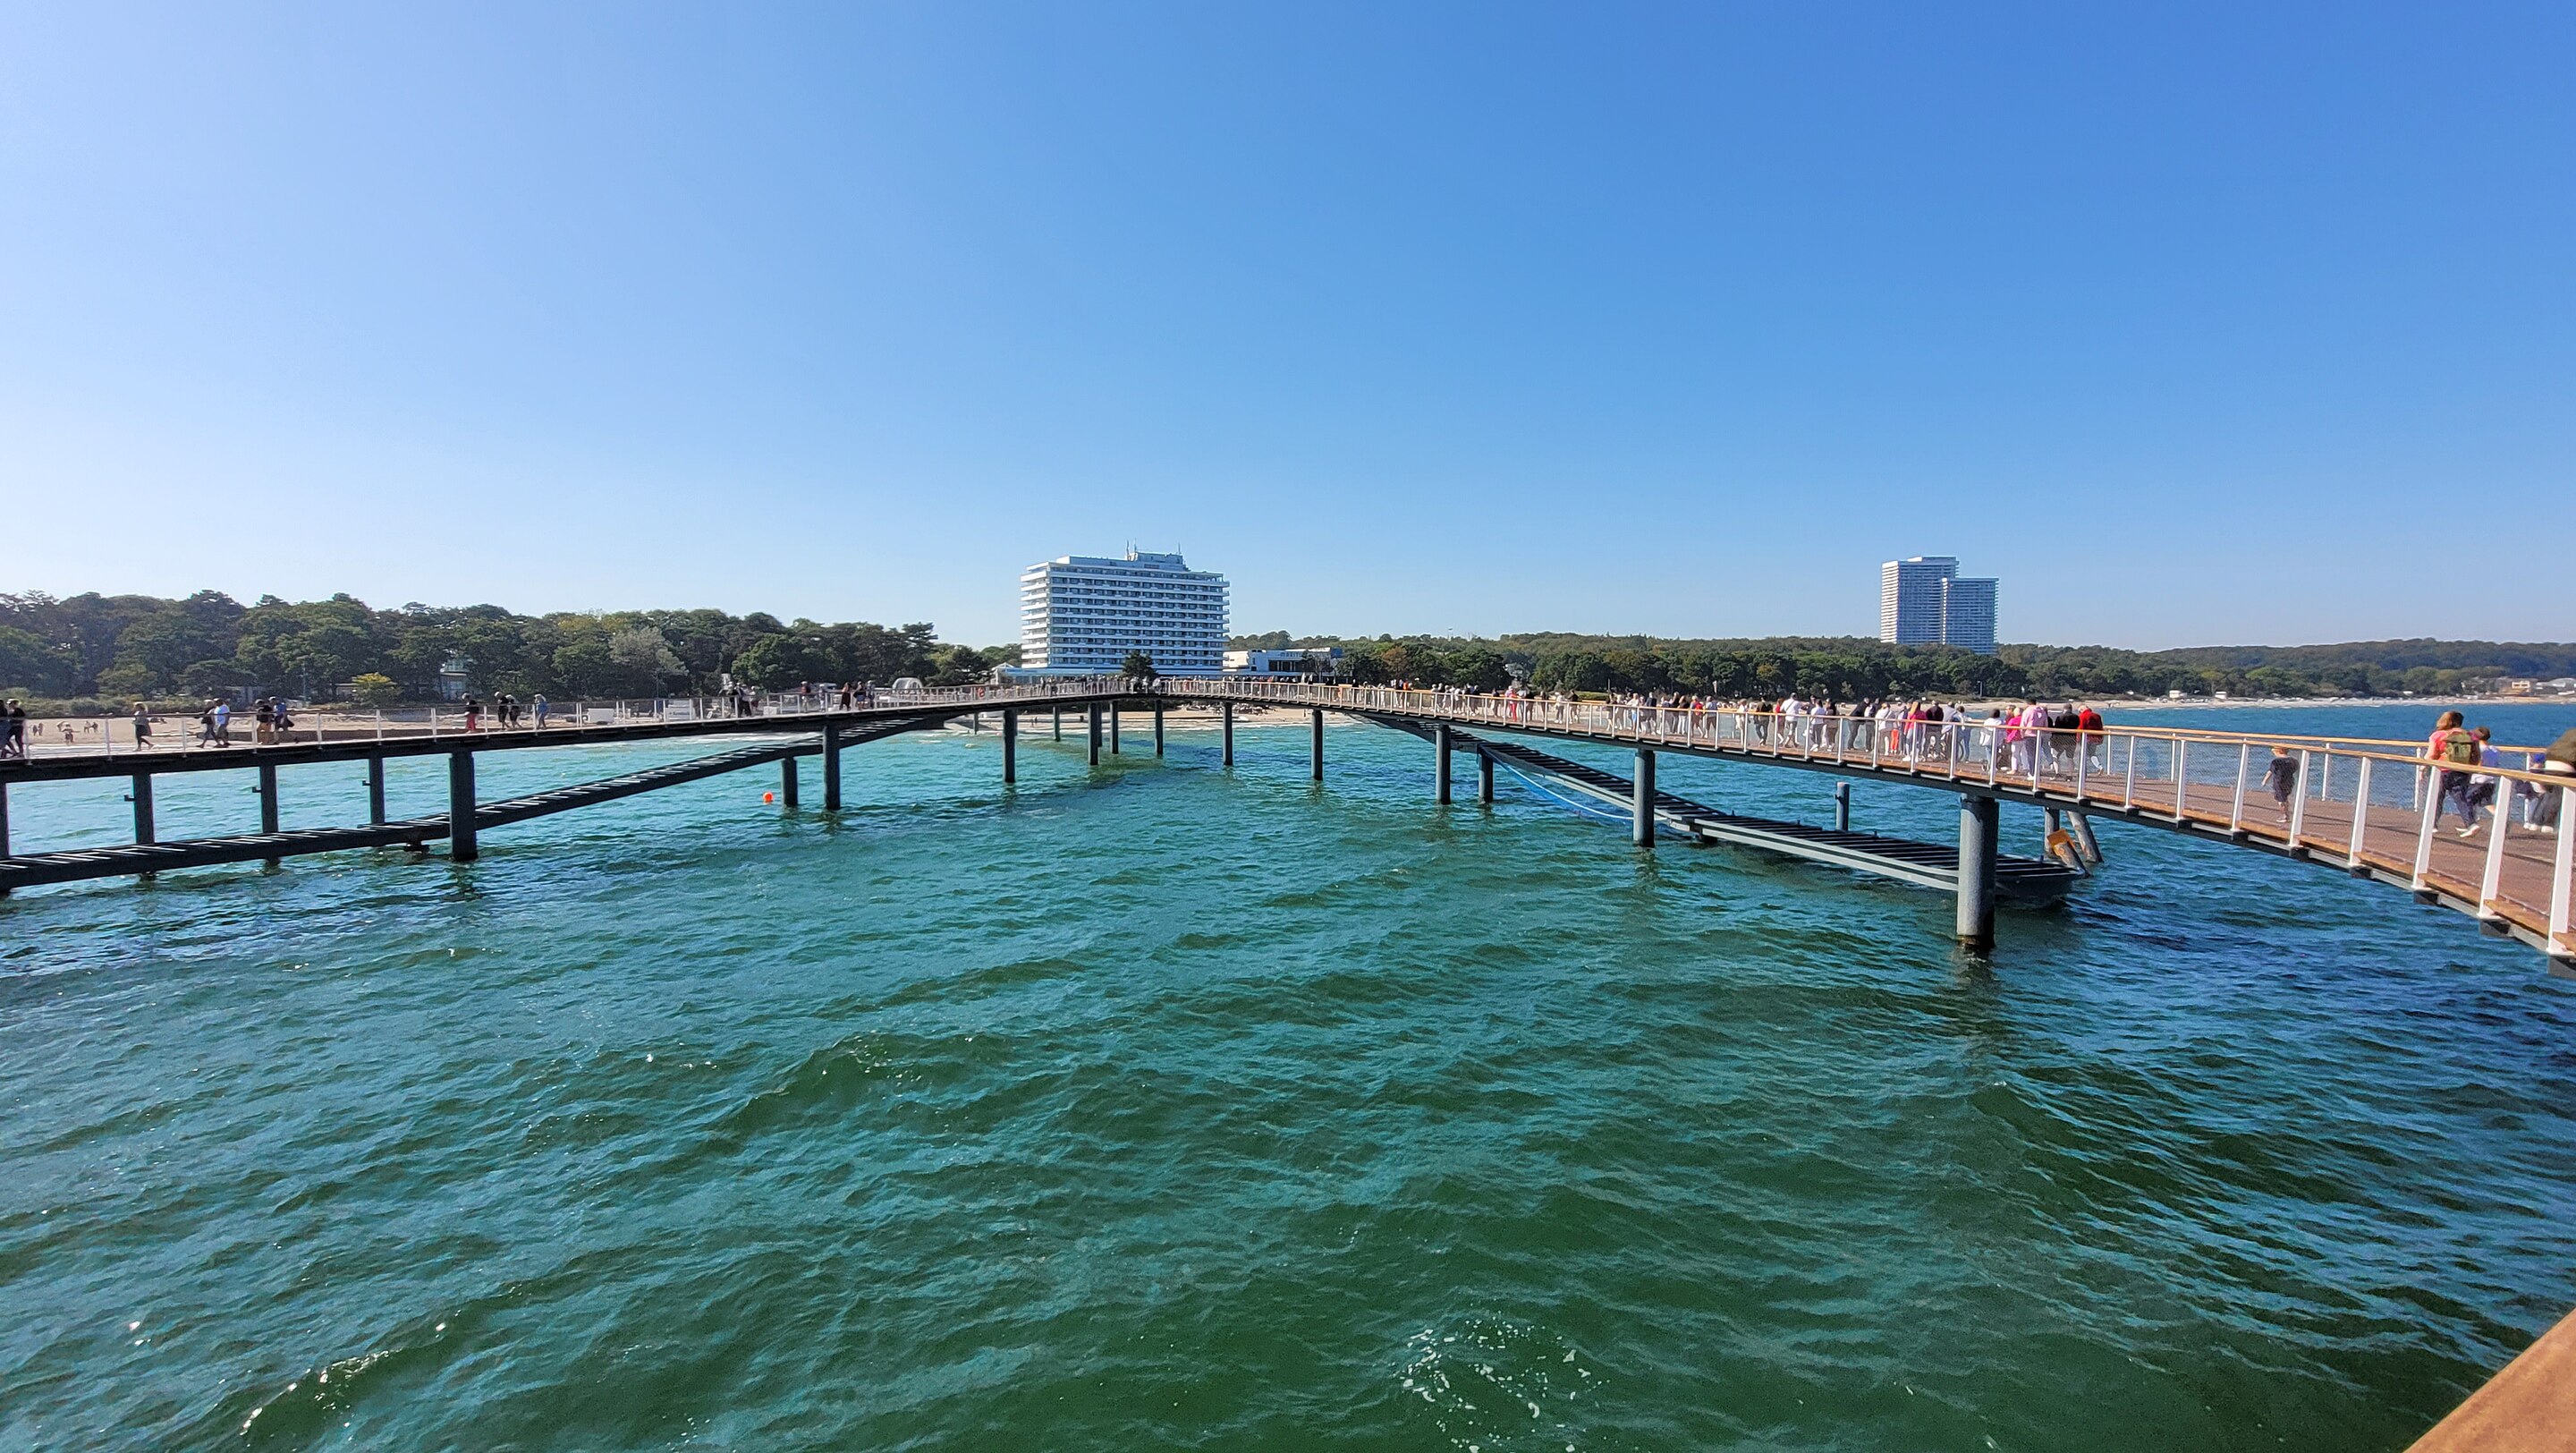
<point x="2559" y="761"/>
<point x="2281" y="774"/>
<point x="142" y="727"/>
<point x="473" y="713"/>
<point x="2097" y="749"/>
<point x="541" y="704"/>
<point x="2452" y="747"/>
<point x="13" y="729"/>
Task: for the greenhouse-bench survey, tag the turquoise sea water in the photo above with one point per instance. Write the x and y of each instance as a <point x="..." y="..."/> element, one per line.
<point x="1159" y="1107"/>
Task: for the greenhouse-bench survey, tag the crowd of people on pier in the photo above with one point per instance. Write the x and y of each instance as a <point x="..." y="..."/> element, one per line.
<point x="2031" y="736"/>
<point x="2029" y="739"/>
<point x="2468" y="793"/>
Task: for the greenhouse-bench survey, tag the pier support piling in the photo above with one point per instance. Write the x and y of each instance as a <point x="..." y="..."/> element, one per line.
<point x="1976" y="920"/>
<point x="1158" y="727"/>
<point x="375" y="790"/>
<point x="268" y="806"/>
<point x="1485" y="778"/>
<point x="1641" y="808"/>
<point x="461" y="844"/>
<point x="1842" y="807"/>
<point x="1317" y="754"/>
<point x="1010" y="746"/>
<point x="143" y="808"/>
<point x="1225" y="714"/>
<point x="1440" y="763"/>
<point x="1094" y="718"/>
<point x="1113" y="729"/>
<point x="832" y="764"/>
<point x="4" y="827"/>
<point x="1055" y="720"/>
<point x="787" y="783"/>
<point x="2080" y="828"/>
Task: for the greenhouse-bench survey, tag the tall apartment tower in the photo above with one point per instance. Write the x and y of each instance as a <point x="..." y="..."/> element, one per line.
<point x="1923" y="601"/>
<point x="1081" y="614"/>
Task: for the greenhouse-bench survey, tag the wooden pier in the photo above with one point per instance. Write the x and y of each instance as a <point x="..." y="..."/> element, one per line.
<point x="2367" y="808"/>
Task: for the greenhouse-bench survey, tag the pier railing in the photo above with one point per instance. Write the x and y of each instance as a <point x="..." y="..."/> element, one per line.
<point x="2374" y="807"/>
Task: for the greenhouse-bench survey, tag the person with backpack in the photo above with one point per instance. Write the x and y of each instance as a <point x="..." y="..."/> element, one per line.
<point x="2454" y="748"/>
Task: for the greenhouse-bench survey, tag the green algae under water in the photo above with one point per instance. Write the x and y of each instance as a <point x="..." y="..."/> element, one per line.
<point x="1161" y="1106"/>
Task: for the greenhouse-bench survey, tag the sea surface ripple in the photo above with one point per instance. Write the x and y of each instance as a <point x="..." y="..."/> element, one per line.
<point x="1165" y="1107"/>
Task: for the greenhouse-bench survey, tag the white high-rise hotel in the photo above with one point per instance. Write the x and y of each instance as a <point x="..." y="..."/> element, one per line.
<point x="1923" y="602"/>
<point x="1081" y="614"/>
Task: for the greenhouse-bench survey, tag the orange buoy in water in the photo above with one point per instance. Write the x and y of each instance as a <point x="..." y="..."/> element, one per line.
<point x="769" y="797"/>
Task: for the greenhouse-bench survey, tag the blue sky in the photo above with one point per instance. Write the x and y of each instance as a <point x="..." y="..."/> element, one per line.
<point x="2213" y="324"/>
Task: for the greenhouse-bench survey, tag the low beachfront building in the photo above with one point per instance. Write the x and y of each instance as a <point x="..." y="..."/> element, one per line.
<point x="1294" y="661"/>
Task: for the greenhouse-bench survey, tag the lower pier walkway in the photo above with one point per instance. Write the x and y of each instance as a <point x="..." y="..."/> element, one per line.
<point x="2375" y="809"/>
<point x="1931" y="865"/>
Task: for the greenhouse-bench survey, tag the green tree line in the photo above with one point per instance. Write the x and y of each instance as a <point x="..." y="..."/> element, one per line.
<point x="1853" y="667"/>
<point x="139" y="647"/>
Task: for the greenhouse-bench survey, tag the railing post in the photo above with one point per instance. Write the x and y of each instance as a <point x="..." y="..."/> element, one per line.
<point x="2182" y="778"/>
<point x="2129" y="784"/>
<point x="2299" y="798"/>
<point x="462" y="845"/>
<point x="2560" y="889"/>
<point x="2360" y="817"/>
<point x="2499" y="828"/>
<point x="2432" y="799"/>
<point x="2236" y="809"/>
